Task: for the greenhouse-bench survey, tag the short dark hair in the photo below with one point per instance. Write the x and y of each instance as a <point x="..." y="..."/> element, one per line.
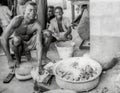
<point x="52" y="7"/>
<point x="59" y="7"/>
<point x="84" y="6"/>
<point x="31" y="3"/>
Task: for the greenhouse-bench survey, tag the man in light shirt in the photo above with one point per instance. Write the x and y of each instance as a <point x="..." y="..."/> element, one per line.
<point x="59" y="29"/>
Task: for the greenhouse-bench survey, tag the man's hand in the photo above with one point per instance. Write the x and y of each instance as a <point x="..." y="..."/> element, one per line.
<point x="69" y="37"/>
<point x="62" y="36"/>
<point x="41" y="70"/>
<point x="65" y="38"/>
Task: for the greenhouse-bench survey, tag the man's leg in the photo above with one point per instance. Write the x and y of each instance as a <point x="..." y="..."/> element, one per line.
<point x="17" y="48"/>
<point x="47" y="36"/>
<point x="11" y="64"/>
<point x="1" y="50"/>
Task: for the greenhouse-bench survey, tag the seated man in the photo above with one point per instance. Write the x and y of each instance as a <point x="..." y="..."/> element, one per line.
<point x="59" y="29"/>
<point x="50" y="14"/>
<point x="27" y="36"/>
<point x="60" y="26"/>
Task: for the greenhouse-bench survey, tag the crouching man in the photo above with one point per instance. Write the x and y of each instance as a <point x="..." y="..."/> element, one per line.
<point x="27" y="36"/>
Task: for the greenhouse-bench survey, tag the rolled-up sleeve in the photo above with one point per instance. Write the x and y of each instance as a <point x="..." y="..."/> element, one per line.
<point x="68" y="23"/>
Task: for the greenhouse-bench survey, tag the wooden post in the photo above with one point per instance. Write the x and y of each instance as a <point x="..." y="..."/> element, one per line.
<point x="42" y="12"/>
<point x="104" y="31"/>
<point x="73" y="11"/>
<point x="15" y="7"/>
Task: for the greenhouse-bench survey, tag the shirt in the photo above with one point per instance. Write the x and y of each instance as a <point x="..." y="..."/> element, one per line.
<point x="54" y="27"/>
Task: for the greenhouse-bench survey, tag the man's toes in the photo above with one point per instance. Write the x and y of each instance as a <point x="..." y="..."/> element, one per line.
<point x="46" y="60"/>
<point x="17" y="65"/>
<point x="11" y="64"/>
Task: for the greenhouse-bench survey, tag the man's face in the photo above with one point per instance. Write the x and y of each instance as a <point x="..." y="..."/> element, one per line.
<point x="50" y="12"/>
<point x="30" y="12"/>
<point x="58" y="13"/>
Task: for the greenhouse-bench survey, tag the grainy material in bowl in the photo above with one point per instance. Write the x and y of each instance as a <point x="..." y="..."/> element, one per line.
<point x="91" y="72"/>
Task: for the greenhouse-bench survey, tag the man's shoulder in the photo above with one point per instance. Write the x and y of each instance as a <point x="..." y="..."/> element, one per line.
<point x="18" y="17"/>
<point x="53" y="20"/>
<point x="16" y="21"/>
<point x="37" y="24"/>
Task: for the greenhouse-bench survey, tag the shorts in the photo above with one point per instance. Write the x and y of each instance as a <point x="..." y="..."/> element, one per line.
<point x="26" y="45"/>
<point x="32" y="43"/>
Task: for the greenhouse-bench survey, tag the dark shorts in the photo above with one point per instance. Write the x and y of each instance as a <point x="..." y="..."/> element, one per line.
<point x="27" y="45"/>
<point x="32" y="43"/>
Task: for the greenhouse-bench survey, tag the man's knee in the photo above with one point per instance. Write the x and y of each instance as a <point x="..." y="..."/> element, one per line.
<point x="16" y="41"/>
<point x="47" y="34"/>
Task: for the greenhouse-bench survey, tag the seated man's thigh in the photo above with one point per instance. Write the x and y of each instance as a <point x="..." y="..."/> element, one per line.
<point x="16" y="40"/>
<point x="31" y="44"/>
<point x="47" y="35"/>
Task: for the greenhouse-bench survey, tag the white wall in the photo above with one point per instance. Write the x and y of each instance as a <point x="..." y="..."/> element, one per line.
<point x="105" y="30"/>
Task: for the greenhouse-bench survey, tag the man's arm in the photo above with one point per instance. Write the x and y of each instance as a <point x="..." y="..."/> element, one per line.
<point x="6" y="34"/>
<point x="39" y="45"/>
<point x="67" y="34"/>
<point x="8" y="11"/>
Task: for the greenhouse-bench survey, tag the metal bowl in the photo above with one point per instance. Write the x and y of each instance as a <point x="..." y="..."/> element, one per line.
<point x="78" y="86"/>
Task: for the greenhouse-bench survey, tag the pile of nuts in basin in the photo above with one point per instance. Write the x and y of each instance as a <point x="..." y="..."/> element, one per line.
<point x="76" y="73"/>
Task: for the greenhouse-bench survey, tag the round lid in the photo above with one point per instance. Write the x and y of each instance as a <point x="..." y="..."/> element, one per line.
<point x="24" y="69"/>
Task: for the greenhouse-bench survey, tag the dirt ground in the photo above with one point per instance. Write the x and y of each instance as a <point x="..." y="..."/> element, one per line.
<point x="108" y="80"/>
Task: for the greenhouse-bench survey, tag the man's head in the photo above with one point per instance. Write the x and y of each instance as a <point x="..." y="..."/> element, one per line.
<point x="50" y="11"/>
<point x="30" y="10"/>
<point x="22" y="2"/>
<point x="84" y="6"/>
<point x="58" y="12"/>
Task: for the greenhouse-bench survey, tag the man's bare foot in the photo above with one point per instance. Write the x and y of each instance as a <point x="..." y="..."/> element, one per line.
<point x="17" y="65"/>
<point x="45" y="60"/>
<point x="11" y="64"/>
<point x="41" y="70"/>
<point x="2" y="54"/>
